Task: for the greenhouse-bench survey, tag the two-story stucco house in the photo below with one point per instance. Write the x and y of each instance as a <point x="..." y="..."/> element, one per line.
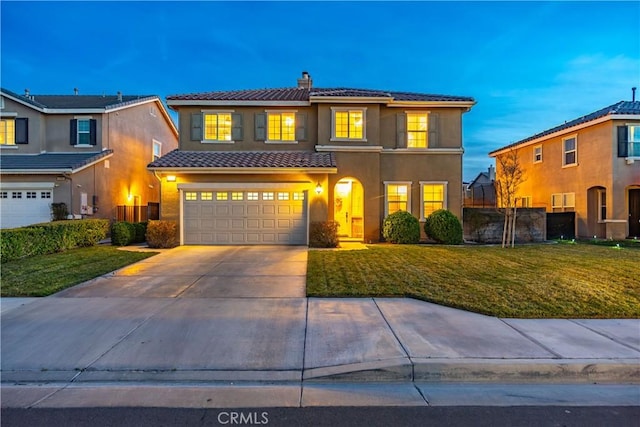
<point x="87" y="151"/>
<point x="590" y="166"/>
<point x="257" y="166"/>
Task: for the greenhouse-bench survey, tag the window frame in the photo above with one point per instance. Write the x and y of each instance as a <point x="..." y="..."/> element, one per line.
<point x="8" y="134"/>
<point x="408" y="184"/>
<point x="425" y="114"/>
<point x="565" y="152"/>
<point x="537" y="154"/>
<point x="217" y="113"/>
<point x="269" y="114"/>
<point x="155" y="143"/>
<point x="348" y="110"/>
<point x="86" y="120"/>
<point x="631" y="143"/>
<point x="602" y="204"/>
<point x="423" y="184"/>
<point x="566" y="200"/>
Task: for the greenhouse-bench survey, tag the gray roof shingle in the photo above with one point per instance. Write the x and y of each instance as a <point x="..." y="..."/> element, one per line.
<point x="304" y="94"/>
<point x="622" y="107"/>
<point x="244" y="159"/>
<point x="79" y="102"/>
<point x="49" y="161"/>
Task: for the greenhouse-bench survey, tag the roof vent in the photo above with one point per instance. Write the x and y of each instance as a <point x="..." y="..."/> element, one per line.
<point x="305" y="81"/>
<point x="26" y="93"/>
<point x="75" y="90"/>
<point x="633" y="94"/>
<point x="119" y="96"/>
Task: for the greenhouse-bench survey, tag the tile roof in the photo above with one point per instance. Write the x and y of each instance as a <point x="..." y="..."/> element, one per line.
<point x="304" y="94"/>
<point x="244" y="159"/>
<point x="79" y="102"/>
<point x="49" y="161"/>
<point x="622" y="107"/>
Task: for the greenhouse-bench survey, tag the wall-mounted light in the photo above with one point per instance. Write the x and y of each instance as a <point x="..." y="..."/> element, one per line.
<point x="171" y="178"/>
<point x="129" y="197"/>
<point x="318" y="189"/>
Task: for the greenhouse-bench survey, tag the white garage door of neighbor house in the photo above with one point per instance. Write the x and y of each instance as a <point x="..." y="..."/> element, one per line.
<point x="24" y="206"/>
<point x="244" y="217"/>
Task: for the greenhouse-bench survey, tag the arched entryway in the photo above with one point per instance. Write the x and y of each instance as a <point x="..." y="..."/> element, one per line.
<point x="348" y="208"/>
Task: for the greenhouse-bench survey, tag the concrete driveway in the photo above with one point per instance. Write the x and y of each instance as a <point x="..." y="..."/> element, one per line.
<point x="206" y="272"/>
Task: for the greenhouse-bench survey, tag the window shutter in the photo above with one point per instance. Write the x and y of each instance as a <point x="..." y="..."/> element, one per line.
<point x="623" y="141"/>
<point x="401" y="130"/>
<point x="73" y="131"/>
<point x="22" y="131"/>
<point x="261" y="127"/>
<point x="236" y="126"/>
<point x="93" y="131"/>
<point x="301" y="127"/>
<point x="196" y="126"/>
<point x="434" y="135"/>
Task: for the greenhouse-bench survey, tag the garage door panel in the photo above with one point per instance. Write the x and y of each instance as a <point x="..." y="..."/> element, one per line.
<point x="244" y="222"/>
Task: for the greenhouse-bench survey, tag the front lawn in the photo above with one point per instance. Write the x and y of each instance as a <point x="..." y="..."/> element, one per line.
<point x="44" y="275"/>
<point x="528" y="281"/>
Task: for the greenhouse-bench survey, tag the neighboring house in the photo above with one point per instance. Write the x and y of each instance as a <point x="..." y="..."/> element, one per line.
<point x="481" y="191"/>
<point x="87" y="151"/>
<point x="257" y="166"/>
<point x="590" y="166"/>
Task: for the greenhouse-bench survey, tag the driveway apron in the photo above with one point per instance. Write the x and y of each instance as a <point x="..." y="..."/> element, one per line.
<point x="190" y="313"/>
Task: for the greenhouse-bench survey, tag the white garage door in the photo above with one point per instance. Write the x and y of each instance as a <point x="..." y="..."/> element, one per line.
<point x="244" y="217"/>
<point x="24" y="206"/>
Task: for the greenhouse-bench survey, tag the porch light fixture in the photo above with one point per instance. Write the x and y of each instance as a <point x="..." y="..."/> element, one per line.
<point x="318" y="189"/>
<point x="171" y="178"/>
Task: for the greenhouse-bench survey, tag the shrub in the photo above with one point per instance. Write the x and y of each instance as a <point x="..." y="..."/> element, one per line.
<point x="401" y="227"/>
<point x="323" y="234"/>
<point x="42" y="239"/>
<point x="122" y="233"/>
<point x="162" y="234"/>
<point x="59" y="211"/>
<point x="140" y="232"/>
<point x="444" y="227"/>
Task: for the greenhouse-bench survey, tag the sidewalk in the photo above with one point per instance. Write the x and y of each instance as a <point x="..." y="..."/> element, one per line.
<point x="225" y="326"/>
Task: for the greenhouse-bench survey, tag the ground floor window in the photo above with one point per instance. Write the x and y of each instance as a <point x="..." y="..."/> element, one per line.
<point x="397" y="197"/>
<point x="434" y="197"/>
<point x="563" y="202"/>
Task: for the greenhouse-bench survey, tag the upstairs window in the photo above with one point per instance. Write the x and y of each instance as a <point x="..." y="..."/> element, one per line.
<point x="7" y="132"/>
<point x="83" y="131"/>
<point x="281" y="127"/>
<point x="157" y="150"/>
<point x="629" y="141"/>
<point x="570" y="151"/>
<point x="417" y="130"/>
<point x="348" y="124"/>
<point x="217" y="126"/>
<point x="537" y="154"/>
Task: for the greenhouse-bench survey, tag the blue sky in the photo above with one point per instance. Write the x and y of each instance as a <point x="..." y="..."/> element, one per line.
<point x="529" y="65"/>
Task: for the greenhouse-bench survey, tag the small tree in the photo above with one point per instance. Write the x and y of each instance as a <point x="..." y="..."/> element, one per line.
<point x="59" y="211"/>
<point x="509" y="176"/>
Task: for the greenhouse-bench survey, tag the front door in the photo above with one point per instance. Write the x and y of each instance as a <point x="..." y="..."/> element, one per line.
<point x="348" y="208"/>
<point x="634" y="213"/>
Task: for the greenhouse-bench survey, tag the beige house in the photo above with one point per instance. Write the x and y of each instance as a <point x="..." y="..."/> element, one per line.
<point x="590" y="166"/>
<point x="89" y="152"/>
<point x="257" y="166"/>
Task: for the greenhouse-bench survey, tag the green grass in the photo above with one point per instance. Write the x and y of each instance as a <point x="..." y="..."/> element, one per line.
<point x="44" y="275"/>
<point x="528" y="281"/>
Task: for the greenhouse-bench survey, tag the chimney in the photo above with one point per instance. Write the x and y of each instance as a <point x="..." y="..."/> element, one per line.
<point x="305" y="81"/>
<point x="633" y="94"/>
<point x="492" y="173"/>
<point x="119" y="96"/>
<point x="26" y="93"/>
<point x="75" y="90"/>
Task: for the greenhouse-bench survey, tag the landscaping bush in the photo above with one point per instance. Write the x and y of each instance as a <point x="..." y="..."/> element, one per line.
<point x="323" y="234"/>
<point x="141" y="232"/>
<point x="47" y="238"/>
<point x="444" y="227"/>
<point x="162" y="234"/>
<point x="122" y="233"/>
<point x="59" y="211"/>
<point x="401" y="227"/>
